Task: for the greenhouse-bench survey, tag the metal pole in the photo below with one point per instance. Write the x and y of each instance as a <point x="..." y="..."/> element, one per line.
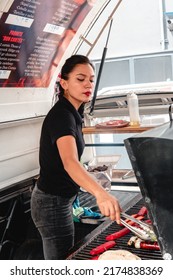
<point x="100" y="71"/>
<point x="103" y="28"/>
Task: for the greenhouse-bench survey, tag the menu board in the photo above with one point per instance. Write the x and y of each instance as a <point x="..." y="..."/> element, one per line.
<point x="33" y="37"/>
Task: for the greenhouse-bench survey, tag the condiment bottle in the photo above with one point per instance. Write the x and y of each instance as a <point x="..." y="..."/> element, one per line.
<point x="133" y="107"/>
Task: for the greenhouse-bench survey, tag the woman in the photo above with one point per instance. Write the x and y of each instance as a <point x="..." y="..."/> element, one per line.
<point x="61" y="173"/>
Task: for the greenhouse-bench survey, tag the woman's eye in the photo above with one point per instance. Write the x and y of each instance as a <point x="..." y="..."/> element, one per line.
<point x="81" y="80"/>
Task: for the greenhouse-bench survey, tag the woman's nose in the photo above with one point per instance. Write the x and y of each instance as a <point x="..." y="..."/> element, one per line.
<point x="89" y="84"/>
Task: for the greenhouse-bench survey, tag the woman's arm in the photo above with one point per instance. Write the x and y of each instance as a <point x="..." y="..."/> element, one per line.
<point x="107" y="203"/>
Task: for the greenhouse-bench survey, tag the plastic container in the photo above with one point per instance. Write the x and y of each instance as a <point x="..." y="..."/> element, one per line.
<point x="105" y="160"/>
<point x="103" y="176"/>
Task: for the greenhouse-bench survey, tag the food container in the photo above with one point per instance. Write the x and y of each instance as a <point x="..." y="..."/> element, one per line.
<point x="109" y="160"/>
<point x="100" y="167"/>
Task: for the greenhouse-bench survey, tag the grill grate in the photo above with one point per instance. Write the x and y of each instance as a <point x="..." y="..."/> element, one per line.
<point x="83" y="253"/>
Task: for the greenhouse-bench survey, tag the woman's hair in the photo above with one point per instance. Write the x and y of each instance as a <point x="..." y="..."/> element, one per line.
<point x="69" y="65"/>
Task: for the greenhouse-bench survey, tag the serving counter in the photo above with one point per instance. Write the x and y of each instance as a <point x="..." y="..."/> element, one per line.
<point x="126" y="129"/>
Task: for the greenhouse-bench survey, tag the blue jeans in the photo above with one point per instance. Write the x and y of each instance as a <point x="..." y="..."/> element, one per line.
<point x="53" y="218"/>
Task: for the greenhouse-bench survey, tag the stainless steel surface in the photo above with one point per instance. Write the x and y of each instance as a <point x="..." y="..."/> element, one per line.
<point x="123" y="176"/>
<point x="128" y="175"/>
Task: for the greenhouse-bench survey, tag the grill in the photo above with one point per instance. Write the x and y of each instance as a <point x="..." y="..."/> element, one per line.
<point x="151" y="156"/>
<point x="87" y="200"/>
<point x="98" y="237"/>
<point x="152" y="161"/>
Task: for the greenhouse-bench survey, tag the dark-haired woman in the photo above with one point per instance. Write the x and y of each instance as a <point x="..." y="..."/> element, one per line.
<point x="61" y="173"/>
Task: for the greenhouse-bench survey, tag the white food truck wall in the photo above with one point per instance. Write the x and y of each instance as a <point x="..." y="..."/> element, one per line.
<point x="35" y="39"/>
<point x="24" y="102"/>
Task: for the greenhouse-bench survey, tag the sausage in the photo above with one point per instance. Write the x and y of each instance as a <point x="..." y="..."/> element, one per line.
<point x="149" y="246"/>
<point x="143" y="211"/>
<point x="118" y="234"/>
<point x="95" y="257"/>
<point x="121" y="232"/>
<point x="103" y="247"/>
<point x="136" y="242"/>
<point x="133" y="215"/>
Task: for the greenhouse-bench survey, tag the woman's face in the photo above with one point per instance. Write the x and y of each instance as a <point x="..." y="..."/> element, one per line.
<point x="79" y="86"/>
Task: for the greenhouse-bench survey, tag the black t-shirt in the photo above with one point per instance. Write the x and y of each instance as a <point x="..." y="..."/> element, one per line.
<point x="63" y="119"/>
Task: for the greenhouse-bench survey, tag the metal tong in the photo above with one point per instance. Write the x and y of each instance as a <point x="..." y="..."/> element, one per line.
<point x="144" y="232"/>
<point x="128" y="175"/>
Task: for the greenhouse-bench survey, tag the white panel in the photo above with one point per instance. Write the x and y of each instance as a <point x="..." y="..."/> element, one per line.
<point x="19" y="150"/>
<point x="23" y="103"/>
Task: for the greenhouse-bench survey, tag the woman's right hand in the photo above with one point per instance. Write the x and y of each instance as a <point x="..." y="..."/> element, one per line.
<point x="109" y="206"/>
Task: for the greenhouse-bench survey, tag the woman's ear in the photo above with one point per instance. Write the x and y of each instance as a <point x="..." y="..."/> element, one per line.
<point x="63" y="83"/>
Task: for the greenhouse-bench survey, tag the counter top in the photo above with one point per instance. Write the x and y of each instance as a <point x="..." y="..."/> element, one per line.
<point x="126" y="129"/>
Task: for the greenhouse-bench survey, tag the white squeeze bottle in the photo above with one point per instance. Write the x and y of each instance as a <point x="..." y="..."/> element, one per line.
<point x="133" y="107"/>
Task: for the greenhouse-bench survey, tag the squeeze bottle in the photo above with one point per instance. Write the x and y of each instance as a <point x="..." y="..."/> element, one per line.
<point x="133" y="107"/>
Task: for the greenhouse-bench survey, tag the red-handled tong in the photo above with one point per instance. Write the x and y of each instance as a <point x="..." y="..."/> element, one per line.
<point x="140" y="215"/>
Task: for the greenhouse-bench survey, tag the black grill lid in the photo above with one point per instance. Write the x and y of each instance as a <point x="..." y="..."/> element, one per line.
<point x="151" y="156"/>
